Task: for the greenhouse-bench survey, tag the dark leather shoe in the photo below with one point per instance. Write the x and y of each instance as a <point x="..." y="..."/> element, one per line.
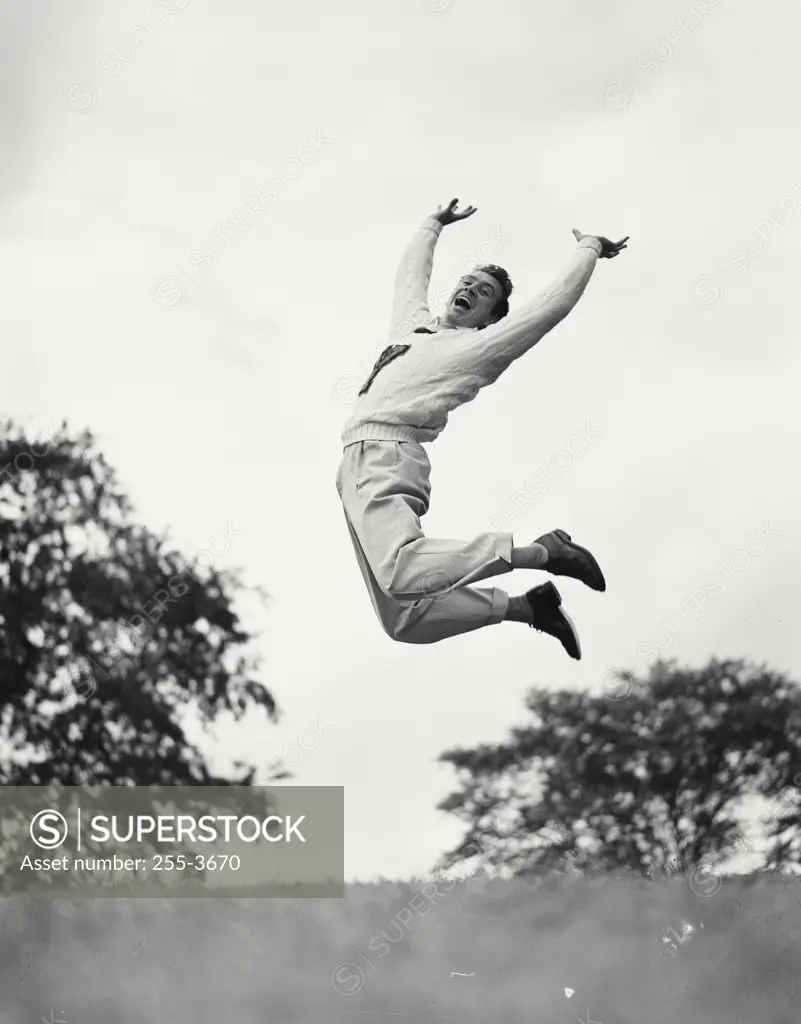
<point x="547" y="615"/>
<point x="568" y="559"/>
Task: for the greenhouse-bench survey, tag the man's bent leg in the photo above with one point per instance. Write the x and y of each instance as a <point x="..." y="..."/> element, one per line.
<point x="385" y="490"/>
<point x="461" y="611"/>
<point x="430" y="619"/>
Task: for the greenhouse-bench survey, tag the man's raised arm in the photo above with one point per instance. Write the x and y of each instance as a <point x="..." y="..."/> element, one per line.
<point x="414" y="273"/>
<point x="500" y="344"/>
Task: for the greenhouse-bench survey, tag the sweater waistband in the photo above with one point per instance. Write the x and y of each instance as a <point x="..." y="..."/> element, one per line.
<point x="384" y="432"/>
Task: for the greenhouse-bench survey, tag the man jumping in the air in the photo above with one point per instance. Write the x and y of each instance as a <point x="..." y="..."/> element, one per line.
<point x="421" y="588"/>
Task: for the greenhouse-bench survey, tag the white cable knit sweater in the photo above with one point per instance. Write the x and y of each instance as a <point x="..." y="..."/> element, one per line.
<point x="421" y="377"/>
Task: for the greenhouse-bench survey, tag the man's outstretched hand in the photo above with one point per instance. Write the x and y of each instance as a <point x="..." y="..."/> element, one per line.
<point x="450" y="215"/>
<point x="608" y="249"/>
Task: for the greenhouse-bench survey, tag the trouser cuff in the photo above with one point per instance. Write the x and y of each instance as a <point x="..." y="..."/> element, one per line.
<point x="500" y="605"/>
<point x="503" y="547"/>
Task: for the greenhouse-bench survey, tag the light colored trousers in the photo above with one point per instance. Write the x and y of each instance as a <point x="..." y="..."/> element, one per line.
<point x="419" y="586"/>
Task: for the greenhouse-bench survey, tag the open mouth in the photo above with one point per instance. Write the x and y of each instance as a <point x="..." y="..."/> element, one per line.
<point x="463" y="303"/>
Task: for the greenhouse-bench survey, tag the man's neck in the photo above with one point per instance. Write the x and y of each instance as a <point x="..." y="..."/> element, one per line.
<point x="445" y="325"/>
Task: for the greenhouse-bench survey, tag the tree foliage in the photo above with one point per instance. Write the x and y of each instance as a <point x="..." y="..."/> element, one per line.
<point x="110" y="640"/>
<point x="650" y="781"/>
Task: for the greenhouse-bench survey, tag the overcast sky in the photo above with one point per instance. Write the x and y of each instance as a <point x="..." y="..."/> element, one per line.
<point x="217" y="380"/>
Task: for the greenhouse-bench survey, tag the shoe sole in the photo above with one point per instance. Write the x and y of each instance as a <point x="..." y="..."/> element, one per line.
<point x="574" y="632"/>
<point x="565" y="538"/>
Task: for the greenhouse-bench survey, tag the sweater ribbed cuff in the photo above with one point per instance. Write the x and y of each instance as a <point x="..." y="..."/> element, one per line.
<point x="590" y="243"/>
<point x="433" y="223"/>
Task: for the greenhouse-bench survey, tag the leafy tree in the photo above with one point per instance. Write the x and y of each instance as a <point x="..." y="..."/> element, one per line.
<point x="649" y="777"/>
<point x="109" y="638"/>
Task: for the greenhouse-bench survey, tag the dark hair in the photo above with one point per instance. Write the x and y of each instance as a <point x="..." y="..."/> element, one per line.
<point x="500" y="275"/>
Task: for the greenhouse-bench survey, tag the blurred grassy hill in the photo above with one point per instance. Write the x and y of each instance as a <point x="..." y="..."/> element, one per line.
<point x="632" y="951"/>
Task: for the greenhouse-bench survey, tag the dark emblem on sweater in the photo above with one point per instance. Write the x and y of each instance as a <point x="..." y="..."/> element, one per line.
<point x="389" y="355"/>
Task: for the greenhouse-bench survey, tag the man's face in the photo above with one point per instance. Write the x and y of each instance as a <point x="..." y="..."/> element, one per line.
<point x="474" y="301"/>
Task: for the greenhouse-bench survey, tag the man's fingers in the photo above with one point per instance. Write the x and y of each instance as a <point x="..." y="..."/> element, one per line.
<point x="467" y="212"/>
<point x="577" y="233"/>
